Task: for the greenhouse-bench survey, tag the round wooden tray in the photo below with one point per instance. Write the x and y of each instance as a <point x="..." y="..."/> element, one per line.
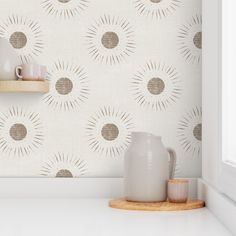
<point x="155" y="206"/>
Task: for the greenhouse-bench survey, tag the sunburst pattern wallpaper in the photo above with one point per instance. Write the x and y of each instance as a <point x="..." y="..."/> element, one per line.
<point x="114" y="67"/>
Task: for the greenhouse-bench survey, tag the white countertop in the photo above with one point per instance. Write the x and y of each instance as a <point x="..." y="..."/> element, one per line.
<point x="93" y="217"/>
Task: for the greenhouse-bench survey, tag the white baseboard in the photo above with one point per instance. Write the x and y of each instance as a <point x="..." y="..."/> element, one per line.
<point x="220" y="205"/>
<point x="60" y="187"/>
<point x="68" y="187"/>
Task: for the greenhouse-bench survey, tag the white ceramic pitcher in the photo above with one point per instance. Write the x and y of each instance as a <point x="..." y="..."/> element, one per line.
<point x="148" y="166"/>
<point x="8" y="60"/>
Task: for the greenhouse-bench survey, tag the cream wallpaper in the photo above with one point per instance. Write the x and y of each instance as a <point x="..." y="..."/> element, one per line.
<point x="114" y="67"/>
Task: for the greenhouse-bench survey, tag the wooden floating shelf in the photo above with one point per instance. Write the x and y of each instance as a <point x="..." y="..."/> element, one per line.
<point x="156" y="206"/>
<point x="19" y="86"/>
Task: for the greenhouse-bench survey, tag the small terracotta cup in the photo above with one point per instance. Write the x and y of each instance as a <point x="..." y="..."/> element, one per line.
<point x="178" y="190"/>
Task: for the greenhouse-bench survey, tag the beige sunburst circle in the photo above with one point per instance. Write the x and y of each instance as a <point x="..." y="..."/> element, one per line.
<point x="190" y="131"/>
<point x="156" y="9"/>
<point x="25" y="36"/>
<point x="64" y="166"/>
<point x="108" y="131"/>
<point x="21" y="132"/>
<point x="156" y="86"/>
<point x="69" y="86"/>
<point x="64" y="9"/>
<point x="190" y="39"/>
<point x="110" y="40"/>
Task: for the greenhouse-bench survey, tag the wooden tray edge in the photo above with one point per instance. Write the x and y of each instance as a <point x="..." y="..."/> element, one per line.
<point x="122" y="204"/>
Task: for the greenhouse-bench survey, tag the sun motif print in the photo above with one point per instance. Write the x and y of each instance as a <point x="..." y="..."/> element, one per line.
<point x="156" y="9"/>
<point x="110" y="40"/>
<point x="190" y="131"/>
<point x="21" y="132"/>
<point x="190" y="40"/>
<point x="156" y="86"/>
<point x="63" y="165"/>
<point x="108" y="131"/>
<point x="69" y="86"/>
<point x="64" y="9"/>
<point x="25" y="36"/>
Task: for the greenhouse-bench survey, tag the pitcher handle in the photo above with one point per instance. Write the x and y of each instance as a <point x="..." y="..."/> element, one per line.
<point x="172" y="163"/>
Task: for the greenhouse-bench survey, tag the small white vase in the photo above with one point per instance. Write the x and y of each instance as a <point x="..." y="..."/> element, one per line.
<point x="8" y="61"/>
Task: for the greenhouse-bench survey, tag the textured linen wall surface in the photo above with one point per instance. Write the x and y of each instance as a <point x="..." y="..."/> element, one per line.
<point x="114" y="67"/>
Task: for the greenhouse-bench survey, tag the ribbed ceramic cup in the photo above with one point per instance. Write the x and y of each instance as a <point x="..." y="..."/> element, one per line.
<point x="31" y="72"/>
<point x="178" y="190"/>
